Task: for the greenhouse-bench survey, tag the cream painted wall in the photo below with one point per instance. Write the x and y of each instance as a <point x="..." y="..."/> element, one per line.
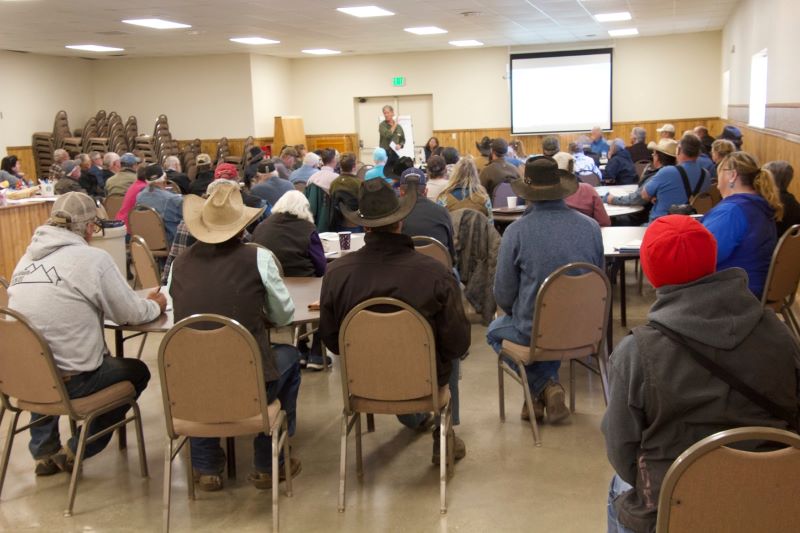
<point x="34" y="88"/>
<point x="270" y="78"/>
<point x="203" y="96"/>
<point x="753" y="26"/>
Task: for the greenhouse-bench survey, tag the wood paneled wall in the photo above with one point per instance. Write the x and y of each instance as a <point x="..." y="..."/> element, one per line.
<point x="18" y="223"/>
<point x="343" y="142"/>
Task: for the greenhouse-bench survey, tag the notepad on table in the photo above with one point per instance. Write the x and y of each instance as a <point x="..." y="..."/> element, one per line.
<point x="630" y="246"/>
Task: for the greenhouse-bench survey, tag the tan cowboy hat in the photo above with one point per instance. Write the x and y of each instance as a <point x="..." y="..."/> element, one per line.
<point x="220" y="217"/>
<point x="665" y="146"/>
<point x="378" y="205"/>
<point x="543" y="180"/>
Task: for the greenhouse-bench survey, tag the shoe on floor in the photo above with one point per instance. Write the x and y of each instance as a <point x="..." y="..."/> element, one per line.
<point x="263" y="480"/>
<point x="459" y="448"/>
<point x="47" y="466"/>
<point x="554" y="395"/>
<point x="61" y="461"/>
<point x="315" y="362"/>
<point x="538" y="410"/>
<point x="207" y="482"/>
<point x="426" y="424"/>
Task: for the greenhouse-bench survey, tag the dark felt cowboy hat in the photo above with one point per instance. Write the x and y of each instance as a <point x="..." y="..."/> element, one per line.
<point x="378" y="205"/>
<point x="485" y="146"/>
<point x="544" y="181"/>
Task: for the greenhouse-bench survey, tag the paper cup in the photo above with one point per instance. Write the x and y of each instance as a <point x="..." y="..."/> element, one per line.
<point x="344" y="240"/>
<point x="512" y="201"/>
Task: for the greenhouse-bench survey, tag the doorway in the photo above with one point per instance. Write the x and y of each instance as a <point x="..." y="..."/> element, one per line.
<point x="368" y="110"/>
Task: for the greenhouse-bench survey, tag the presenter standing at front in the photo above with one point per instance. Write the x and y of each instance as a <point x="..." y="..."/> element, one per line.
<point x="390" y="131"/>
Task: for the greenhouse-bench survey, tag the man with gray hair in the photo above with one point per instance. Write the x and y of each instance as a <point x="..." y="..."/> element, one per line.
<point x="638" y="148"/>
<point x="119" y="182"/>
<point x="65" y="283"/>
<point x="111" y="166"/>
<point x="172" y="165"/>
<point x="168" y="205"/>
<point x="551" y="146"/>
<point x="620" y="169"/>
<point x="60" y="157"/>
<point x="310" y="166"/>
<point x="68" y="182"/>
<point x="584" y="167"/>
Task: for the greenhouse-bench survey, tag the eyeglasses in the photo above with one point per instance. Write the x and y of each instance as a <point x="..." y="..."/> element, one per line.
<point x="98" y="225"/>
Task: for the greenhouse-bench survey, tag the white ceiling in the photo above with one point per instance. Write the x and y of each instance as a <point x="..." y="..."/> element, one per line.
<point x="46" y="26"/>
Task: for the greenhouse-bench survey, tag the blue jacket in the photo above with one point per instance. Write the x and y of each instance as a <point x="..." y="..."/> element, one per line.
<point x="599" y="146"/>
<point x="744" y="226"/>
<point x="621" y="168"/>
<point x="548" y="236"/>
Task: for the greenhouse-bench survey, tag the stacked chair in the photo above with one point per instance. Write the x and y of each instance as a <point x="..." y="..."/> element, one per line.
<point x="61" y="130"/>
<point x="42" y="143"/>
<point x="131" y="131"/>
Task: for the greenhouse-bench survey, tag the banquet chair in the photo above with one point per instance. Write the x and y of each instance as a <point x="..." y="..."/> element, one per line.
<point x="147" y="223"/>
<point x="113" y="203"/>
<point x="433" y="248"/>
<point x="780" y="288"/>
<point x="570" y="317"/>
<point x="714" y="487"/>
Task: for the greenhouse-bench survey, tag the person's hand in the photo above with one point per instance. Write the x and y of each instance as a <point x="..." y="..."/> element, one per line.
<point x="609" y="198"/>
<point x="158" y="298"/>
<point x="399" y="146"/>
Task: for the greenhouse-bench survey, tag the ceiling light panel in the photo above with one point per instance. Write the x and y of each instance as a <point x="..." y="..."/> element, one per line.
<point x="93" y="48"/>
<point x="466" y="42"/>
<point x="625" y="32"/>
<point x="425" y="30"/>
<point x="321" y="52"/>
<point x="157" y="24"/>
<point x="253" y="40"/>
<point x="612" y="17"/>
<point x="365" y="11"/>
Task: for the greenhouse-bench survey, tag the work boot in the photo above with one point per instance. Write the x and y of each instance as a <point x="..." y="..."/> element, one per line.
<point x="553" y="396"/>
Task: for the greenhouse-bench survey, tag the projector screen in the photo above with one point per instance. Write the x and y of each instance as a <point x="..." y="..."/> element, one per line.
<point x="560" y="91"/>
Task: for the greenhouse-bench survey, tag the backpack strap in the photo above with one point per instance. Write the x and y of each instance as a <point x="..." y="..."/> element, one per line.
<point x="690" y="194"/>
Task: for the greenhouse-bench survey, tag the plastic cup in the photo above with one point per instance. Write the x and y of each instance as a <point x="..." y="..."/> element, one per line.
<point x="344" y="240"/>
<point x="512" y="201"/>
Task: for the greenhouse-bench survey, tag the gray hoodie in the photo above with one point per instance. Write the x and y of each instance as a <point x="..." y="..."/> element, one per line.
<point x="662" y="401"/>
<point x="66" y="288"/>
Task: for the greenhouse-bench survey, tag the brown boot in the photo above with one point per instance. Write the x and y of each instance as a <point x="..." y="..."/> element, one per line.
<point x="554" y="395"/>
<point x="538" y="410"/>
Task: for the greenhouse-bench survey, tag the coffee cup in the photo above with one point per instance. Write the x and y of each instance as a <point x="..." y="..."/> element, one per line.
<point x="512" y="201"/>
<point x="344" y="240"/>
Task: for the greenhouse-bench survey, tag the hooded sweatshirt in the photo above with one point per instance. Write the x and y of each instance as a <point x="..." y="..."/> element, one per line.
<point x="620" y="168"/>
<point x="662" y="401"/>
<point x="66" y="288"/>
<point x="744" y="226"/>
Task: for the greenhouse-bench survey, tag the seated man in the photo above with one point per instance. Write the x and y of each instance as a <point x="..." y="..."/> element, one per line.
<point x="598" y="145"/>
<point x="219" y="274"/>
<point x="620" y="169"/>
<point x="124" y="178"/>
<point x="70" y="287"/>
<point x="309" y="167"/>
<point x="548" y="236"/>
<point x="172" y="165"/>
<point x="498" y="170"/>
<point x="662" y="400"/>
<point x="638" y="148"/>
<point x="168" y="204"/>
<point x="70" y="181"/>
<point x="267" y="185"/>
<point x="387" y="265"/>
<point x="344" y="189"/>
<point x="583" y="165"/>
<point x="427" y="218"/>
<point x="327" y="173"/>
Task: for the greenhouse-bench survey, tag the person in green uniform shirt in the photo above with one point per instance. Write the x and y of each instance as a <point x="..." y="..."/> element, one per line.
<point x="390" y="131"/>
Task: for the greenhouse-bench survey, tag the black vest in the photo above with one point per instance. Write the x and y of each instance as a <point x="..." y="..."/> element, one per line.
<point x="223" y="279"/>
<point x="288" y="238"/>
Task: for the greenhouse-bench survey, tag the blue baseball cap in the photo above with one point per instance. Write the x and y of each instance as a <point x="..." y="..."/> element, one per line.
<point x="128" y="160"/>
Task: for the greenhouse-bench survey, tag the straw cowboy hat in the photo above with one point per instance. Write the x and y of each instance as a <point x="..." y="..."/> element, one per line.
<point x="378" y="205"/>
<point x="220" y="217"/>
<point x="544" y="181"/>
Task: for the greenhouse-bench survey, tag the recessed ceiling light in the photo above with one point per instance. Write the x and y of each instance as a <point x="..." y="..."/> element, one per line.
<point x="466" y="42"/>
<point x="425" y="30"/>
<point x="626" y="32"/>
<point x="93" y="48"/>
<point x="252" y="40"/>
<point x="321" y="51"/>
<point x="157" y="24"/>
<point x="612" y="17"/>
<point x="365" y="11"/>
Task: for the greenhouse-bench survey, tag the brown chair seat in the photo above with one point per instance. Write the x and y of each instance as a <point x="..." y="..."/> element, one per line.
<point x="394" y="407"/>
<point x="248" y="426"/>
<point x="84" y="406"/>
<point x="522" y="354"/>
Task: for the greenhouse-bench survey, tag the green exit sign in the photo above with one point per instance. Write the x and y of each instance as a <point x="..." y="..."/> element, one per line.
<point x="399" y="81"/>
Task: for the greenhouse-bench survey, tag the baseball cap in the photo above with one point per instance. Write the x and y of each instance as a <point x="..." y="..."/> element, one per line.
<point x="153" y="173"/>
<point x="677" y="249"/>
<point x="499" y="146"/>
<point x="203" y="159"/>
<point x="666" y="127"/>
<point x="72" y="208"/>
<point x="68" y="167"/>
<point x="128" y="159"/>
<point x="550" y="145"/>
<point x="266" y="167"/>
<point x="413" y="173"/>
<point x="226" y="171"/>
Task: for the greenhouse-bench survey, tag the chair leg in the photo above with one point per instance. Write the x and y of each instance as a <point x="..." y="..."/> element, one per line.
<point x="287" y="457"/>
<point x="168" y="483"/>
<point x="73" y="427"/>
<point x="501" y="389"/>
<point x="137" y="422"/>
<point x="601" y="362"/>
<point x="230" y="448"/>
<point x="141" y="347"/>
<point x="443" y="460"/>
<point x="12" y="430"/>
<point x="370" y="422"/>
<point x="189" y="471"/>
<point x="529" y="401"/>
<point x="73" y="482"/>
<point x="343" y="463"/>
<point x="359" y="462"/>
<point x="275" y="478"/>
<point x="572" y="385"/>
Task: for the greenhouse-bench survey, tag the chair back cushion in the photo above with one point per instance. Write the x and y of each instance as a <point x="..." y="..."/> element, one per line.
<point x="113" y="203"/>
<point x="433" y="248"/>
<point x="784" y="271"/>
<point x="147" y="274"/>
<point x="147" y="223"/>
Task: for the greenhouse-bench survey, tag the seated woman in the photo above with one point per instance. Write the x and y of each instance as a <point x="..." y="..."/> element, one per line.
<point x="620" y="169"/>
<point x="11" y="172"/>
<point x="783" y="173"/>
<point x="430" y="147"/>
<point x="464" y="190"/>
<point x="744" y="221"/>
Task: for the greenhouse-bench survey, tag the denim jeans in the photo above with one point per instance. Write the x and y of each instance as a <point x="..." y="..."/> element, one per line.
<point x="414" y="420"/>
<point x="617" y="487"/>
<point x="538" y="373"/>
<point x="207" y="455"/>
<point x="45" y="438"/>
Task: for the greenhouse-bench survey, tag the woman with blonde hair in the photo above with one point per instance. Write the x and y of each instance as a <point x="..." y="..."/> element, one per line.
<point x="744" y="221"/>
<point x="720" y="149"/>
<point x="464" y="189"/>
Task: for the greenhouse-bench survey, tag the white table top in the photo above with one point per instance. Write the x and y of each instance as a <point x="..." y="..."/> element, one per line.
<point x="616" y="190"/>
<point x="616" y="236"/>
<point x="619" y="210"/>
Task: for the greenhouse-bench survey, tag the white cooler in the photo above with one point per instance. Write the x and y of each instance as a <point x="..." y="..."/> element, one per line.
<point x="112" y="240"/>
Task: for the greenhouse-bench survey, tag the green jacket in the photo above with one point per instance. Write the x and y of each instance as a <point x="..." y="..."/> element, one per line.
<point x="386" y="135"/>
<point x="320" y="204"/>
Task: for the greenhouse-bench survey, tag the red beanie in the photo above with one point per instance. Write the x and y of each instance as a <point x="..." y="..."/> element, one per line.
<point x="226" y="171"/>
<point x="677" y="249"/>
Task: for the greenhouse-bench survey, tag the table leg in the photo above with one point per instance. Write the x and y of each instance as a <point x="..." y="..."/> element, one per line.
<point x="230" y="444"/>
<point x="119" y="351"/>
<point x="610" y="327"/>
<point x="623" y="315"/>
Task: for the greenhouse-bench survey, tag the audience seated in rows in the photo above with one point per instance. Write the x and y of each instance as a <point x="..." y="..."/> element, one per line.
<point x="69" y="180"/>
<point x="326" y="173"/>
<point x="426" y="217"/>
<point x="125" y="176"/>
<point x="638" y="148"/>
<point x="387" y="265"/>
<point x="548" y="236"/>
<point x="783" y="173"/>
<point x="219" y="274"/>
<point x="464" y="190"/>
<point x="498" y="170"/>
<point x="667" y="186"/>
<point x="620" y="169"/>
<point x="310" y="165"/>
<point x="65" y="283"/>
<point x="743" y="223"/>
<point x="204" y="177"/>
<point x="662" y="401"/>
<point x="167" y="204"/>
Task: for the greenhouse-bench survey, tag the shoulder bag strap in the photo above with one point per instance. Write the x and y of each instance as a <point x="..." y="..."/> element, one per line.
<point x="687" y="189"/>
<point x="725" y="375"/>
<point x="700" y="181"/>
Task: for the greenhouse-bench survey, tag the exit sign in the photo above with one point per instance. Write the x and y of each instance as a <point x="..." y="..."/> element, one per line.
<point x="399" y="81"/>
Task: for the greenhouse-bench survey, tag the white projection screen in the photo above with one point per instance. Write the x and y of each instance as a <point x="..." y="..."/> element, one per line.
<point x="560" y="91"/>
